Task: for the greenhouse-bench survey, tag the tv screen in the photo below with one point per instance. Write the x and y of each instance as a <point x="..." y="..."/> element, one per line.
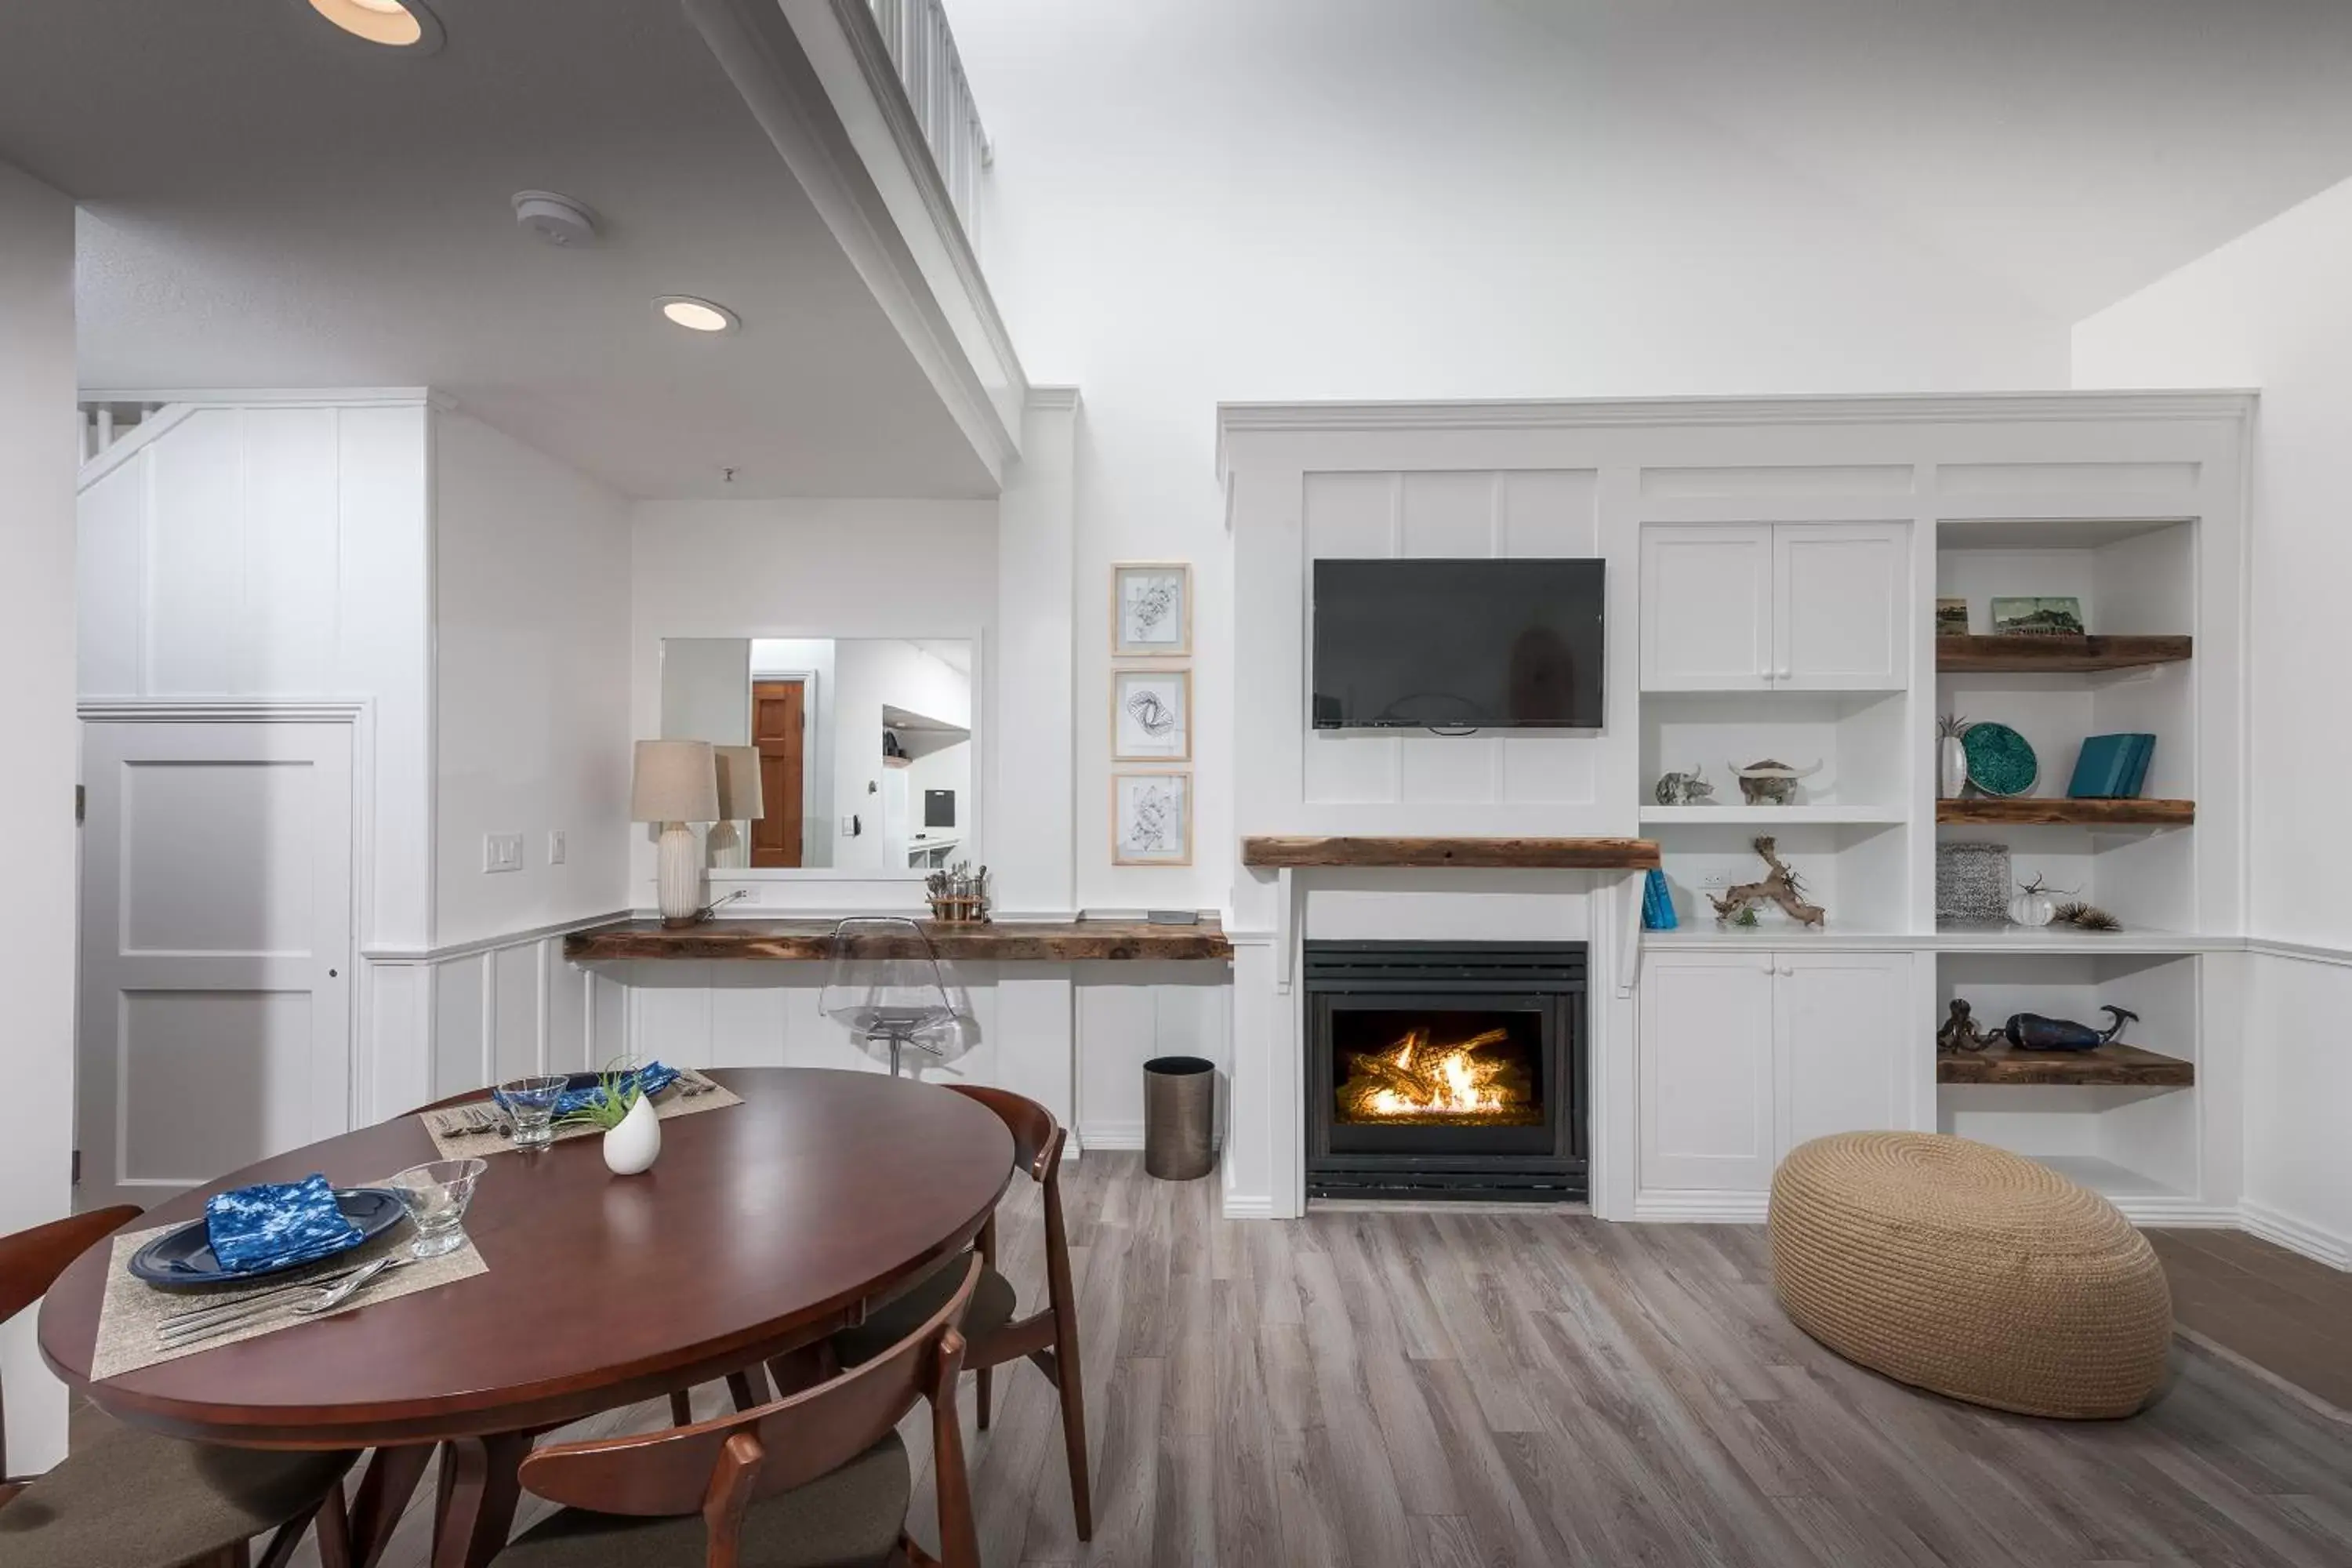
<point x="1457" y="644"/>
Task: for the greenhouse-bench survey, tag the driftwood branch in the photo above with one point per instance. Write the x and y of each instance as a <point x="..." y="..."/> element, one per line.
<point x="1783" y="888"/>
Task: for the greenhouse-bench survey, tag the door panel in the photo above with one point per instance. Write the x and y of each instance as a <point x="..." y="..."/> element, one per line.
<point x="1707" y="1072"/>
<point x="216" y="950"/>
<point x="1839" y="615"/>
<point x="1707" y="608"/>
<point x="778" y="712"/>
<point x="1844" y="1052"/>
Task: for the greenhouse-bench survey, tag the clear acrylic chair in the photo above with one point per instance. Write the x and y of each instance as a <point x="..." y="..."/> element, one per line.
<point x="885" y="983"/>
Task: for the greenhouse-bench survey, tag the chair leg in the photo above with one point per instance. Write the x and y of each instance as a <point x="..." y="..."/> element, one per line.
<point x="986" y="1378"/>
<point x="1074" y="1435"/>
<point x="748" y="1387"/>
<point x="334" y="1528"/>
<point x="682" y="1409"/>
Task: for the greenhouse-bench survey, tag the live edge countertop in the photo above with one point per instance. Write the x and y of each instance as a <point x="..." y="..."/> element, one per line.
<point x="996" y="942"/>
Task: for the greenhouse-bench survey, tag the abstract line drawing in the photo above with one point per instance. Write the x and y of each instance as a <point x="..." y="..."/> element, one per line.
<point x="1151" y="610"/>
<point x="1152" y="819"/>
<point x="1151" y="716"/>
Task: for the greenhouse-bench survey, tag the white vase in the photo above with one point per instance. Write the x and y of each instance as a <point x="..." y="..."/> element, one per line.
<point x="1951" y="767"/>
<point x="678" y="880"/>
<point x="634" y="1144"/>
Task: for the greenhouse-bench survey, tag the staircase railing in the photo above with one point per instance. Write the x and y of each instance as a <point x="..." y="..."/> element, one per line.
<point x="915" y="33"/>
<point x="104" y="423"/>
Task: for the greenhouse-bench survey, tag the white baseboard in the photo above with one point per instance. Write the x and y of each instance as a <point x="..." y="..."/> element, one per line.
<point x="2178" y="1213"/>
<point x="1701" y="1208"/>
<point x="1248" y="1205"/>
<point x="2296" y="1235"/>
<point x="1112" y="1134"/>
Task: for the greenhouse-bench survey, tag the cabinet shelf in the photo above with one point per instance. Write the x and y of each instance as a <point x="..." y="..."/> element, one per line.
<point x="1767" y="816"/>
<point x="2119" y="1065"/>
<point x="2060" y="812"/>
<point x="2021" y="655"/>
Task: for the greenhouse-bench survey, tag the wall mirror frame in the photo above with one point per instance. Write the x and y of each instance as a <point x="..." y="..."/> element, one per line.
<point x="870" y="748"/>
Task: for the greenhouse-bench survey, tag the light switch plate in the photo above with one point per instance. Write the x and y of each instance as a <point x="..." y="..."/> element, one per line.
<point x="502" y="852"/>
<point x="555" y="847"/>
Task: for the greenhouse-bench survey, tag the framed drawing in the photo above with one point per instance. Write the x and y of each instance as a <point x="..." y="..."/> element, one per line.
<point x="1152" y="819"/>
<point x="1151" y="715"/>
<point x="1152" y="608"/>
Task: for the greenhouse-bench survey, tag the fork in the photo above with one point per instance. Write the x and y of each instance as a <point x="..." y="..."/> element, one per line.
<point x="237" y="1314"/>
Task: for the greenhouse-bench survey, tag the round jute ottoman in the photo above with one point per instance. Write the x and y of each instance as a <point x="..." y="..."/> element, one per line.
<point x="1968" y="1270"/>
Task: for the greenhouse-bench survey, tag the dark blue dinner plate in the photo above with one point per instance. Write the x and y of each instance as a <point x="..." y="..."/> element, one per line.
<point x="182" y="1259"/>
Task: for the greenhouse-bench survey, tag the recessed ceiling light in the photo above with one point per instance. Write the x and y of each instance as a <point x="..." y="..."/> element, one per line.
<point x="404" y="25"/>
<point x="698" y="315"/>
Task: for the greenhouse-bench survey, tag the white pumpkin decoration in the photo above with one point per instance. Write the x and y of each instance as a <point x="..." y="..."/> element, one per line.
<point x="2032" y="906"/>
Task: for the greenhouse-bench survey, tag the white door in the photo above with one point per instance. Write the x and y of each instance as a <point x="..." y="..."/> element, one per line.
<point x="1707" y="1072"/>
<point x="216" y="950"/>
<point x="1840" y="598"/>
<point x="1838" y="1029"/>
<point x="1707" y="608"/>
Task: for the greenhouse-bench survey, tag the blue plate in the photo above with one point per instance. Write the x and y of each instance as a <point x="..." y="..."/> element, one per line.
<point x="2000" y="761"/>
<point x="182" y="1259"/>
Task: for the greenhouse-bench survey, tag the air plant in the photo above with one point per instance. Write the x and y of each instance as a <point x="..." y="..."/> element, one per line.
<point x="2086" y="917"/>
<point x="617" y="1094"/>
<point x="1952" y="726"/>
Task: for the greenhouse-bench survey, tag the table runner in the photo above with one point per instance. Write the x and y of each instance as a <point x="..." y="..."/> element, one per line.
<point x="668" y="1105"/>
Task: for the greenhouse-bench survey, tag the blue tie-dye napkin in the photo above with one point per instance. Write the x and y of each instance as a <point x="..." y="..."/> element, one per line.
<point x="277" y="1223"/>
<point x="650" y="1079"/>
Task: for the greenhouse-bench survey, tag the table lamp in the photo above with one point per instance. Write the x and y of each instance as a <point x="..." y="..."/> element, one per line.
<point x="739" y="803"/>
<point x="675" y="782"/>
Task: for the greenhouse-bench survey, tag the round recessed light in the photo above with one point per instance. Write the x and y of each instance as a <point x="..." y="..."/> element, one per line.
<point x="698" y="315"/>
<point x="404" y="25"/>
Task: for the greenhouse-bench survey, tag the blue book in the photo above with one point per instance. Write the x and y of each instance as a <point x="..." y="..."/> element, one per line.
<point x="2101" y="767"/>
<point x="2143" y="753"/>
<point x="1657" y="902"/>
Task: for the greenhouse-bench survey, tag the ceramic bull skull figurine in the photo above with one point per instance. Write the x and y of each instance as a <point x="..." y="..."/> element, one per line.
<point x="1771" y="783"/>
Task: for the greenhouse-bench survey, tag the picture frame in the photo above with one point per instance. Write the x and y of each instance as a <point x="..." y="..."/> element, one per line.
<point x="1151" y="715"/>
<point x="1951" y="617"/>
<point x="1151" y="609"/>
<point x="1152" y="819"/>
<point x="2038" y="616"/>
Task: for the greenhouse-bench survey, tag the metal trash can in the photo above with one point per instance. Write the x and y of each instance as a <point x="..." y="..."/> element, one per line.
<point x="1180" y="1116"/>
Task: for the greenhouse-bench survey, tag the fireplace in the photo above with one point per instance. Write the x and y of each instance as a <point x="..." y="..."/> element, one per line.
<point x="1445" y="1069"/>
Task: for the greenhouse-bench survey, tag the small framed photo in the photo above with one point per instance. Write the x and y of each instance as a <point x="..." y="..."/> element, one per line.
<point x="1151" y="609"/>
<point x="1951" y="617"/>
<point x="1152" y="819"/>
<point x="1151" y="715"/>
<point x="2049" y="615"/>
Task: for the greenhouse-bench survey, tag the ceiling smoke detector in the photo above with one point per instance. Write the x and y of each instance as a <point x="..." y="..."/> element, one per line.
<point x="407" y="26"/>
<point x="557" y="219"/>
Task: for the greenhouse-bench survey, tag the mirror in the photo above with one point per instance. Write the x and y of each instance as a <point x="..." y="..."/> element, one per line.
<point x="864" y="746"/>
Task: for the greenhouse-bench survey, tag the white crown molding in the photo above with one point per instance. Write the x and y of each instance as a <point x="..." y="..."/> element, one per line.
<point x="222" y="710"/>
<point x="274" y="396"/>
<point x="2305" y="952"/>
<point x="1053" y="399"/>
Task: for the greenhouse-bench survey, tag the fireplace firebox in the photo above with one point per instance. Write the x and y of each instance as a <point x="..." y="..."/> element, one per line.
<point x="1445" y="1069"/>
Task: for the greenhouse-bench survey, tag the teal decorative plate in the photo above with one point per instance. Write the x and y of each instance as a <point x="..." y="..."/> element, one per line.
<point x="2000" y="761"/>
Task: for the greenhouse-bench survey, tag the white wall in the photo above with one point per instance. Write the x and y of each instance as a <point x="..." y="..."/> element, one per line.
<point x="706" y="689"/>
<point x="37" y="713"/>
<point x="1207" y="200"/>
<point x="2270" y="310"/>
<point x="530" y="625"/>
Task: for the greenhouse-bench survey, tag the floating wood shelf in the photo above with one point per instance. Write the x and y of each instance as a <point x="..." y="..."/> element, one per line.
<point x="1515" y="854"/>
<point x="2121" y="1065"/>
<point x="1000" y="942"/>
<point x="2013" y="654"/>
<point x="2030" y="811"/>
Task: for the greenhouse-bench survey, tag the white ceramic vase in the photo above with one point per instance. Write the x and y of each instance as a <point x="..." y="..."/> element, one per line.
<point x="678" y="878"/>
<point x="634" y="1144"/>
<point x="1951" y="767"/>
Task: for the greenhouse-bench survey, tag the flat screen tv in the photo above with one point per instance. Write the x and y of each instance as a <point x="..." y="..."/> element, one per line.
<point x="1457" y="644"/>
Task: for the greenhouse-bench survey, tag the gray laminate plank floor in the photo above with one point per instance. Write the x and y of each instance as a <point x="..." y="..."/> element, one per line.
<point x="1431" y="1389"/>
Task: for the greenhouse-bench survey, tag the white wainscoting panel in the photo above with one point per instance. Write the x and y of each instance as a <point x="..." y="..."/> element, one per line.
<point x="1129" y="1013"/>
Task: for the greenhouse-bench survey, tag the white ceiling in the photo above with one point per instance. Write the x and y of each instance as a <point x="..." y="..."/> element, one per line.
<point x="267" y="206"/>
<point x="2073" y="150"/>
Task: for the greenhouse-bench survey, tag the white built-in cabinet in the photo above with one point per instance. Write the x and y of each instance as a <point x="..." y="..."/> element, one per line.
<point x="1781" y="607"/>
<point x="1747" y="1055"/>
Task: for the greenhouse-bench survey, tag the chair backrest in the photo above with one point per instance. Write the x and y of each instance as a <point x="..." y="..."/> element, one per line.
<point x="1037" y="1137"/>
<point x="31" y="1260"/>
<point x="718" y="1468"/>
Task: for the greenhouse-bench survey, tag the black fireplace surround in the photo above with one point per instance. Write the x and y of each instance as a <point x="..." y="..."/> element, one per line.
<point x="1445" y="1070"/>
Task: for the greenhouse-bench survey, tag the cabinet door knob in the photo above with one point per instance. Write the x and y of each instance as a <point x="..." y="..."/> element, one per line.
<point x="1787" y="971"/>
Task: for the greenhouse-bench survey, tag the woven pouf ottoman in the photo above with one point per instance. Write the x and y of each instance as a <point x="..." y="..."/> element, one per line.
<point x="1968" y="1270"/>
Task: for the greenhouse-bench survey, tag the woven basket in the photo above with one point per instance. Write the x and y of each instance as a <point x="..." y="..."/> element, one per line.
<point x="1965" y="1269"/>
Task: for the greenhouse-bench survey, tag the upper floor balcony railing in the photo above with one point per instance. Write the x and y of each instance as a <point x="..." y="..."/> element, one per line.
<point x="923" y="48"/>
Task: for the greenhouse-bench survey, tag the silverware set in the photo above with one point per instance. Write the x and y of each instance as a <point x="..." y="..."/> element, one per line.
<point x="307" y="1299"/>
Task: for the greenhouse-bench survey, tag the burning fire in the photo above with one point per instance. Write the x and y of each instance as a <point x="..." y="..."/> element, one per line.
<point x="1420" y="1081"/>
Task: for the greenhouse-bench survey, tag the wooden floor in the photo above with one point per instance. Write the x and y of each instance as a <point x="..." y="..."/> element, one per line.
<point x="1446" y="1389"/>
<point x="2277" y="1309"/>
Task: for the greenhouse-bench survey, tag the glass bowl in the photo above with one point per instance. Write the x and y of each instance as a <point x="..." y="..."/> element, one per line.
<point x="530" y="1104"/>
<point x="436" y="1195"/>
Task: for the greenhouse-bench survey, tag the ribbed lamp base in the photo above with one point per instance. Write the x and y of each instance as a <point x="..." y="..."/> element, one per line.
<point x="678" y="882"/>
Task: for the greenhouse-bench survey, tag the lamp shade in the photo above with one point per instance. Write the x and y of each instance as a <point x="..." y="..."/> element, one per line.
<point x="739" y="784"/>
<point x="674" y="781"/>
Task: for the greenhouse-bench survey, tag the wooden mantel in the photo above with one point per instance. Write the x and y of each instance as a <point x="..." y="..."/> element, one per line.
<point x="996" y="942"/>
<point x="1481" y="854"/>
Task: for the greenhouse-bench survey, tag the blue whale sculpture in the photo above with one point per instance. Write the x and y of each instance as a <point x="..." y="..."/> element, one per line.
<point x="2032" y="1032"/>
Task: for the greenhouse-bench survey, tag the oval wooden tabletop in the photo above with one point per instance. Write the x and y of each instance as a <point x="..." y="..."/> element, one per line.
<point x="758" y="1228"/>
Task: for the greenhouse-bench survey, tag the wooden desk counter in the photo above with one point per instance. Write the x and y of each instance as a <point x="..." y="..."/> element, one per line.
<point x="997" y="941"/>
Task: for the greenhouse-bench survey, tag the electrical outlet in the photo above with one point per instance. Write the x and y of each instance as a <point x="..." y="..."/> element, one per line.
<point x="555" y="847"/>
<point x="1716" y="881"/>
<point x="502" y="852"/>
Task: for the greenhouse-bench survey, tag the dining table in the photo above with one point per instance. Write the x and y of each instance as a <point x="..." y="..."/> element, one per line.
<point x="762" y="1228"/>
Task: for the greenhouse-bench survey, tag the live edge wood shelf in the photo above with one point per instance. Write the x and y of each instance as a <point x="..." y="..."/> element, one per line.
<point x="2029" y="811"/>
<point x="2123" y="1067"/>
<point x="2015" y="655"/>
<point x="1476" y="853"/>
<point x="998" y="942"/>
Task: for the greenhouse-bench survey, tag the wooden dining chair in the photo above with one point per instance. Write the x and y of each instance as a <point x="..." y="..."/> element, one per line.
<point x="819" y="1480"/>
<point x="134" y="1498"/>
<point x="1048" y="1337"/>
